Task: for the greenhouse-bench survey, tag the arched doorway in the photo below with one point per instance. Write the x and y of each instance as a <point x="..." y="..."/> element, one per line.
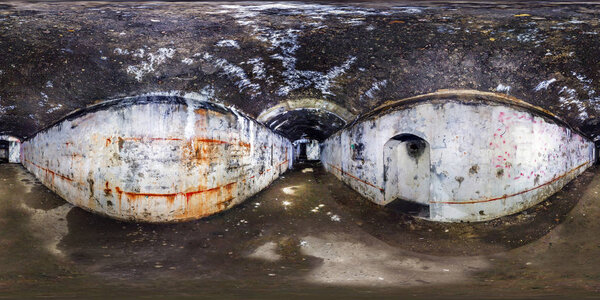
<point x="407" y="173"/>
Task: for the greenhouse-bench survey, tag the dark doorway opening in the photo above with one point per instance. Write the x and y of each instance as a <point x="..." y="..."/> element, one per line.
<point x="3" y="152"/>
<point x="406" y="174"/>
<point x="411" y="208"/>
<point x="302" y="154"/>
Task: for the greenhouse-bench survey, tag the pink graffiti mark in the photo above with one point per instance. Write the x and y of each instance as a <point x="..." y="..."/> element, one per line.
<point x="502" y="119"/>
<point x="527" y="117"/>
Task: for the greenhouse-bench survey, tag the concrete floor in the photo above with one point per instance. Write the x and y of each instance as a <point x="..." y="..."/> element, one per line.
<point x="307" y="235"/>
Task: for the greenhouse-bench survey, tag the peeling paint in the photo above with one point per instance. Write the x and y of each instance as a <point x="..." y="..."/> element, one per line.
<point x="234" y="72"/>
<point x="228" y="43"/>
<point x="527" y="156"/>
<point x="544" y="84"/>
<point x="146" y="67"/>
<point x="157" y="159"/>
<point x="503" y="88"/>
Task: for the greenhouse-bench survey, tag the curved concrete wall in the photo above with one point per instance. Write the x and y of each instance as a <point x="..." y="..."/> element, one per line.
<point x="157" y="159"/>
<point x="487" y="159"/>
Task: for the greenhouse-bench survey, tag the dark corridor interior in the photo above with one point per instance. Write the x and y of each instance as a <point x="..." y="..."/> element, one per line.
<point x="302" y="154"/>
<point x="299" y="150"/>
<point x="3" y="152"/>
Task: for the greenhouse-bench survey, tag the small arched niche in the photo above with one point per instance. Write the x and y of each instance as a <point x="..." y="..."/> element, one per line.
<point x="407" y="174"/>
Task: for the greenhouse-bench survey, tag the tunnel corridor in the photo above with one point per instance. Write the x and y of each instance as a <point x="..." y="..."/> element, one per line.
<point x="204" y="158"/>
<point x="299" y="150"/>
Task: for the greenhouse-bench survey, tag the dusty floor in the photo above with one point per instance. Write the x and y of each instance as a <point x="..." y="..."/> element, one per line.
<point x="307" y="235"/>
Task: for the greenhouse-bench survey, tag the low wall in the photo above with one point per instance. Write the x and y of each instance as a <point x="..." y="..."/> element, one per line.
<point x="488" y="158"/>
<point x="157" y="159"/>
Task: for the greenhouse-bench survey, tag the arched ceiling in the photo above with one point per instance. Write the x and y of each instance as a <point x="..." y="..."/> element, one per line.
<point x="57" y="57"/>
<point x="306" y="124"/>
<point x="306" y="118"/>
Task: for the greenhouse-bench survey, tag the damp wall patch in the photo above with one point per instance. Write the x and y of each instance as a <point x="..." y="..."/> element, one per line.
<point x="487" y="159"/>
<point x="160" y="159"/>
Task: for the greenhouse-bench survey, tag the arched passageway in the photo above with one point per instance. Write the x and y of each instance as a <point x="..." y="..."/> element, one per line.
<point x="406" y="173"/>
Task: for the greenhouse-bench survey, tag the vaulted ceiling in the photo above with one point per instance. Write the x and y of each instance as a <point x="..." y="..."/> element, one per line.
<point x="58" y="57"/>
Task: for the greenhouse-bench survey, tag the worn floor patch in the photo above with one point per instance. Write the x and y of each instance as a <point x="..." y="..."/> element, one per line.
<point x="267" y="252"/>
<point x="348" y="261"/>
<point x="50" y="225"/>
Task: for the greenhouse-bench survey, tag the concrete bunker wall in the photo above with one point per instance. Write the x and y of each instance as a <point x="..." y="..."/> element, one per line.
<point x="487" y="159"/>
<point x="157" y="159"/>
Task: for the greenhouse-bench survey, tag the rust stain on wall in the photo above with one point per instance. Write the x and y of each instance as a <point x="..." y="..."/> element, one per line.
<point x="160" y="174"/>
<point x="52" y="173"/>
<point x="355" y="178"/>
<point x="518" y="193"/>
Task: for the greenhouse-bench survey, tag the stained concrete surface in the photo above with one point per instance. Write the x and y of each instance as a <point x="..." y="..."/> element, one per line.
<point x="306" y="235"/>
<point x="156" y="159"/>
<point x="61" y="56"/>
<point x="484" y="160"/>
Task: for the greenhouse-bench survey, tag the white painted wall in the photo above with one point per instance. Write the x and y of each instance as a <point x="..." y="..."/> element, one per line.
<point x="14" y="152"/>
<point x="406" y="177"/>
<point x="157" y="162"/>
<point x="486" y="160"/>
<point x="313" y="152"/>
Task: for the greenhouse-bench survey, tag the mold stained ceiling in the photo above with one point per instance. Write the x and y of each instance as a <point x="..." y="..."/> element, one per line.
<point x="58" y="57"/>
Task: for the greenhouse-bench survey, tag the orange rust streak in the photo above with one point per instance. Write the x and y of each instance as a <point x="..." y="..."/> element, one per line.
<point x="267" y="170"/>
<point x="227" y="186"/>
<point x="165" y="139"/>
<point x="135" y="195"/>
<point x="107" y="190"/>
<point x="139" y="139"/>
<point x="354" y="177"/>
<point x="188" y="194"/>
<point x="515" y="194"/>
<point x="108" y="142"/>
<point x="50" y="171"/>
<point x="214" y="141"/>
<point x="211" y="141"/>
